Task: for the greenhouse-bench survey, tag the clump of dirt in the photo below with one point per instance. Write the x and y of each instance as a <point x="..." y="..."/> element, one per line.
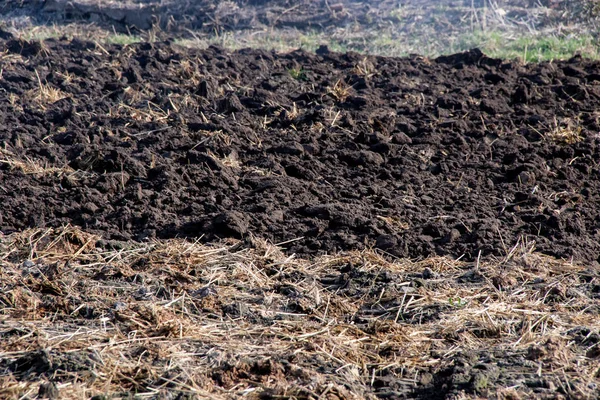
<point x="462" y="155"/>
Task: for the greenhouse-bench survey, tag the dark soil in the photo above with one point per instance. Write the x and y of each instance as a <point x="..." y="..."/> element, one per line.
<point x="461" y="155"/>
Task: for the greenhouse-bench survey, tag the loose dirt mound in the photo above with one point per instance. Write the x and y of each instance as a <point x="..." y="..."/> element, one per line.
<point x="462" y="155"/>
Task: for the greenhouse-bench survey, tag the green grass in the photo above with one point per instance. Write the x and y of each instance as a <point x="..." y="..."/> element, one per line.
<point x="272" y="40"/>
<point x="392" y="41"/>
<point x="531" y="48"/>
<point x="122" y="39"/>
<point x="43" y="32"/>
<point x="298" y="74"/>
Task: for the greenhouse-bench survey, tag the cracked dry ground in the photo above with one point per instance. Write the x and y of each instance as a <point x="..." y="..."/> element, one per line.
<point x="462" y="155"/>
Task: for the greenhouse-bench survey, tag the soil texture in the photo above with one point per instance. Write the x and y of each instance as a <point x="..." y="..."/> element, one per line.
<point x="462" y="155"/>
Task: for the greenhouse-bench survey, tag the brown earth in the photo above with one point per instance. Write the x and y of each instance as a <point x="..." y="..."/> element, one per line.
<point x="463" y="155"/>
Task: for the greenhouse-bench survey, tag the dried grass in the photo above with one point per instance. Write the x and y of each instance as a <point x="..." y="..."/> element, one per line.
<point x="45" y="94"/>
<point x="565" y="135"/>
<point x="340" y="90"/>
<point x="225" y="322"/>
<point x="365" y="68"/>
<point x="30" y="166"/>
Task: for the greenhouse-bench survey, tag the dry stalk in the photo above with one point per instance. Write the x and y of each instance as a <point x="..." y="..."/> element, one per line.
<point x="45" y="94"/>
<point x="340" y="90"/>
<point x="31" y="166"/>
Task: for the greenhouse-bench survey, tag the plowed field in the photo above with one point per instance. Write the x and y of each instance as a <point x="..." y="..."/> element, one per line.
<point x="462" y="155"/>
<point x="182" y="223"/>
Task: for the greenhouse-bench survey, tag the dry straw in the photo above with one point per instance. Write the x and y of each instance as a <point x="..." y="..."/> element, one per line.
<point x="207" y="321"/>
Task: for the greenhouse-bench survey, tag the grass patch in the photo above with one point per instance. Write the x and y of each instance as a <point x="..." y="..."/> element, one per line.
<point x="298" y="74"/>
<point x="87" y="32"/>
<point x="122" y="39"/>
<point x="532" y="47"/>
<point x="278" y="40"/>
<point x="507" y="42"/>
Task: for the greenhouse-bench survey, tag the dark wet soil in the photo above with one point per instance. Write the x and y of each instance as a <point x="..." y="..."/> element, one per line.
<point x="205" y="15"/>
<point x="463" y="155"/>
